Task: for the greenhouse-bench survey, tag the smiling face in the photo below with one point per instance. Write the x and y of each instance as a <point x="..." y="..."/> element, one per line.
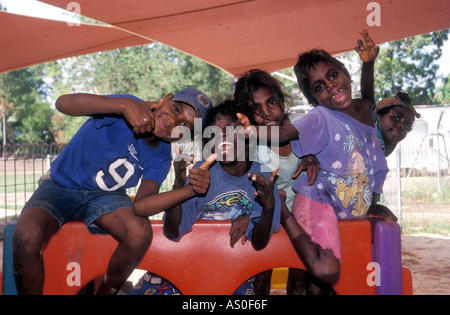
<point x="395" y="124"/>
<point x="171" y="114"/>
<point x="266" y="110"/>
<point x="330" y="86"/>
<point x="227" y="146"/>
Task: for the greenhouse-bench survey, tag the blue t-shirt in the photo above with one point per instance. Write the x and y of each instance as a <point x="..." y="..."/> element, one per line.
<point x="105" y="154"/>
<point x="228" y="197"/>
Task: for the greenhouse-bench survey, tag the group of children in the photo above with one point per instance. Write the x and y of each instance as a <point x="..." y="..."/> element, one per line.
<point x="341" y="144"/>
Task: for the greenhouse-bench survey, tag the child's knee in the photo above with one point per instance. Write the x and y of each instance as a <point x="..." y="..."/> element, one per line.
<point x="140" y="233"/>
<point x="33" y="230"/>
<point x="327" y="273"/>
<point x="27" y="242"/>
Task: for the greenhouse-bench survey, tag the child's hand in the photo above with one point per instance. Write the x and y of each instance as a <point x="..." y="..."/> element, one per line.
<point x="180" y="164"/>
<point x="248" y="130"/>
<point x="245" y="122"/>
<point x="264" y="188"/>
<point x="199" y="178"/>
<point x="140" y="115"/>
<point x="367" y="49"/>
<point x="312" y="167"/>
<point x="238" y="229"/>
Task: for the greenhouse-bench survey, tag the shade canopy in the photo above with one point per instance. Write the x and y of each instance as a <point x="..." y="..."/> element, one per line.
<point x="234" y="35"/>
<point x="26" y="41"/>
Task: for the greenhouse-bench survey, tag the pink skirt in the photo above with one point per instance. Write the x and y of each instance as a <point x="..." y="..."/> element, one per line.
<point x="319" y="221"/>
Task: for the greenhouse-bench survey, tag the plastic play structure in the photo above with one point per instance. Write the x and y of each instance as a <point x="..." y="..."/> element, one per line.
<point x="371" y="259"/>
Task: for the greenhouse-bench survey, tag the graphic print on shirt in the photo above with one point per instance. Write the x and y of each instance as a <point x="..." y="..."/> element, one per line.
<point x="227" y="206"/>
<point x="118" y="173"/>
<point x="352" y="189"/>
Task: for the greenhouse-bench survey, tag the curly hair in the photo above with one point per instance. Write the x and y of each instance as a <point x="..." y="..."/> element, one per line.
<point x="404" y="97"/>
<point x="254" y="79"/>
<point x="226" y="108"/>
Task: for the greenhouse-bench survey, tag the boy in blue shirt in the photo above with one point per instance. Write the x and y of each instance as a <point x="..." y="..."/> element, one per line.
<point x="125" y="140"/>
<point x="238" y="191"/>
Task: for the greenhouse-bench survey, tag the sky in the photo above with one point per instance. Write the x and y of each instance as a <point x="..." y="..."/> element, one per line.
<point x="444" y="62"/>
<point x="36" y="8"/>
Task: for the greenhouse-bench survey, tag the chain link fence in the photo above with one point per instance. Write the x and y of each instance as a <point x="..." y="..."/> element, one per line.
<point x="21" y="166"/>
<point x="417" y="188"/>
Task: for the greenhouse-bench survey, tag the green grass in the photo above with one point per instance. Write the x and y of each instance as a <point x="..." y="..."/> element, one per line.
<point x="426" y="226"/>
<point x="427" y="191"/>
<point x="18" y="183"/>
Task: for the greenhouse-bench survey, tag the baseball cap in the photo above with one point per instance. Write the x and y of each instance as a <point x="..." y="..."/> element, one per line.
<point x="196" y="99"/>
<point x="396" y="100"/>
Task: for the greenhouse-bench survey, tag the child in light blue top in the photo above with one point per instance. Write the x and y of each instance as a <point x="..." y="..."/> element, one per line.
<point x="266" y="98"/>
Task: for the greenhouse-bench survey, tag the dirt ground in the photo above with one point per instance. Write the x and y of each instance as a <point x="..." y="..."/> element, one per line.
<point x="427" y="256"/>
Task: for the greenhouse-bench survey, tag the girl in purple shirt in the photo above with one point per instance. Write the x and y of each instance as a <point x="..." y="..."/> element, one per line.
<point x="340" y="132"/>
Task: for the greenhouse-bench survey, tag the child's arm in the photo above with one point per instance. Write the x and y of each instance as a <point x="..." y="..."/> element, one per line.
<point x="368" y="52"/>
<point x="283" y="134"/>
<point x="238" y="229"/>
<point x="149" y="202"/>
<point x="172" y="222"/>
<point x="137" y="113"/>
<point x="265" y="197"/>
<point x="172" y="219"/>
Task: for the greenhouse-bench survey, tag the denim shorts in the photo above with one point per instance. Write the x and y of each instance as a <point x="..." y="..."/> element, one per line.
<point x="67" y="204"/>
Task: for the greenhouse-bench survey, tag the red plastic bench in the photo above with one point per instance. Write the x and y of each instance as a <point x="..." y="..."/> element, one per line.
<point x="203" y="261"/>
<point x="204" y="255"/>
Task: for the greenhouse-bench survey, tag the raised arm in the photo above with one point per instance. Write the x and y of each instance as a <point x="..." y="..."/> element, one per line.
<point x="83" y="104"/>
<point x="137" y="113"/>
<point x="268" y="134"/>
<point x="368" y="52"/>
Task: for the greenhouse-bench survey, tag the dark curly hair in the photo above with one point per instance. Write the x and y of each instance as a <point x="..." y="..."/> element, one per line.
<point x="226" y="108"/>
<point x="404" y="97"/>
<point x="254" y="79"/>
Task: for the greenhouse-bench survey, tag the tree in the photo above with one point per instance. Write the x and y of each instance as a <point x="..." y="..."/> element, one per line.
<point x="27" y="113"/>
<point x="443" y="93"/>
<point x="410" y="65"/>
<point x="148" y="71"/>
<point x="5" y="108"/>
